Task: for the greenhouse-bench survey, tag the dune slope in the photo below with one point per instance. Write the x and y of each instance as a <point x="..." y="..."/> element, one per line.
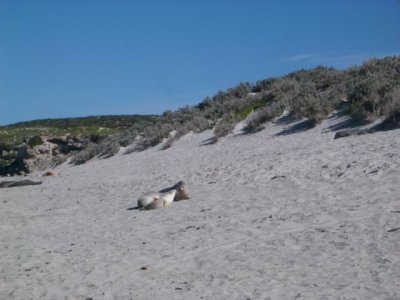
<point x="284" y="213"/>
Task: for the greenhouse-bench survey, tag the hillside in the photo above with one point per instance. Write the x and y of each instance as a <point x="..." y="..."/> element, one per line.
<point x="365" y="93"/>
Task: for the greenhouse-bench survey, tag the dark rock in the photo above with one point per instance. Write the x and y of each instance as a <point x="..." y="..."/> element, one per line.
<point x="24" y="152"/>
<point x="13" y="169"/>
<point x="68" y="144"/>
<point x="58" y="140"/>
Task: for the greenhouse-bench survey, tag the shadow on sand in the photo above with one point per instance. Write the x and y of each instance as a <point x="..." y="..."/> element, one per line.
<point x="349" y="123"/>
<point x="352" y="127"/>
<point x="349" y="126"/>
<point x="299" y="127"/>
<point x="210" y="141"/>
<point x="386" y="125"/>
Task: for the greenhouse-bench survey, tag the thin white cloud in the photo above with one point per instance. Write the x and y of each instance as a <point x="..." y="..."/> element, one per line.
<point x="300" y="57"/>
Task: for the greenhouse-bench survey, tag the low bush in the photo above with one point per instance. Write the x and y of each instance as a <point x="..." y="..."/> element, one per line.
<point x="35" y="141"/>
<point x="263" y="115"/>
<point x="371" y="86"/>
<point x="366" y="98"/>
<point x="226" y="125"/>
<point x="107" y="148"/>
<point x="151" y="136"/>
<point x="391" y="105"/>
<point x="91" y="151"/>
<point x="306" y="104"/>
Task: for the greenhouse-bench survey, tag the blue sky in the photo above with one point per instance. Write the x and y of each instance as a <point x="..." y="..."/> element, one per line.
<point x="76" y="58"/>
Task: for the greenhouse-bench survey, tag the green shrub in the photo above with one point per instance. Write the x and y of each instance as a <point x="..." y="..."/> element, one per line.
<point x="366" y="99"/>
<point x="307" y="104"/>
<point x="370" y="86"/>
<point x="256" y="104"/>
<point x="35" y="141"/>
<point x="267" y="113"/>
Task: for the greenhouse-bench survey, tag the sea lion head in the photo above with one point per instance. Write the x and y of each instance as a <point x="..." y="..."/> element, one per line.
<point x="182" y="192"/>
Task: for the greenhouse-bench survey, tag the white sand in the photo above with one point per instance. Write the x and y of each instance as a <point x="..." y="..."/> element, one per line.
<point x="318" y="230"/>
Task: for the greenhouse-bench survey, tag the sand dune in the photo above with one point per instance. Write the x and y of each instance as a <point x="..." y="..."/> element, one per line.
<point x="280" y="214"/>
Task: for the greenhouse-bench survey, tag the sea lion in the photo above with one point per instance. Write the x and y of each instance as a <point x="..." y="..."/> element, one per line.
<point x="154" y="200"/>
<point x="5" y="184"/>
<point x="182" y="192"/>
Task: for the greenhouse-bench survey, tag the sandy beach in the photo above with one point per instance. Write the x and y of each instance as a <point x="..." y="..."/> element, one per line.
<point x="279" y="214"/>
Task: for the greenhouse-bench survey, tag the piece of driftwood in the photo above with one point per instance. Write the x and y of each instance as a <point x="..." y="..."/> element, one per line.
<point x="352" y="132"/>
<point x="16" y="183"/>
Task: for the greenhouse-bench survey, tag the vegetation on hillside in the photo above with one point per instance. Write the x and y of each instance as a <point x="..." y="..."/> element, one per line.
<point x="18" y="133"/>
<point x="110" y="121"/>
<point x="367" y="92"/>
<point x="96" y="129"/>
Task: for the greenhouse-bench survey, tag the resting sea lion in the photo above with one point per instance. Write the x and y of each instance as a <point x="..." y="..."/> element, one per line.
<point x="153" y="200"/>
<point x="182" y="192"/>
<point x="4" y="184"/>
